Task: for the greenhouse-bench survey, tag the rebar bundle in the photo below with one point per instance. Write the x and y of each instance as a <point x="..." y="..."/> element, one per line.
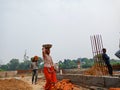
<point x="97" y="46"/>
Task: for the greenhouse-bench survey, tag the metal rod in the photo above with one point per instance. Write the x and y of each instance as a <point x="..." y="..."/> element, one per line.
<point x="97" y="45"/>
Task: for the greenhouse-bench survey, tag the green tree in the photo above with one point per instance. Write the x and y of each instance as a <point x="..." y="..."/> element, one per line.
<point x="4" y="67"/>
<point x="13" y="64"/>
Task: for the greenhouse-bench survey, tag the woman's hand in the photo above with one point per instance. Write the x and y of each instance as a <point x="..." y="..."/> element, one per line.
<point x="50" y="71"/>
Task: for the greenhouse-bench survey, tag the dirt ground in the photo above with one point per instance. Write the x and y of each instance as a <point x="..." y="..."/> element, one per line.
<point x="14" y="84"/>
<point x="41" y="82"/>
<point x="24" y="83"/>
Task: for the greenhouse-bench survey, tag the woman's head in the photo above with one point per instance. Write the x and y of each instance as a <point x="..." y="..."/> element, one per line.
<point x="47" y="50"/>
<point x="34" y="59"/>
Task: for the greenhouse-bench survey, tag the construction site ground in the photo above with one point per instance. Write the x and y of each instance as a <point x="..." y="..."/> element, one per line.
<point x="80" y="81"/>
<point x="24" y="83"/>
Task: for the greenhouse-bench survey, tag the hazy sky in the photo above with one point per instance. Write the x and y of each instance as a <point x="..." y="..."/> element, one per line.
<point x="67" y="24"/>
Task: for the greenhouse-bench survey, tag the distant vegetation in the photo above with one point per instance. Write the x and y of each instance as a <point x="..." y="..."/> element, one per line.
<point x="14" y="64"/>
<point x="70" y="64"/>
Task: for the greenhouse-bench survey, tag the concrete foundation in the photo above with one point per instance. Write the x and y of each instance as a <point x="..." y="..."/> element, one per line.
<point x="88" y="80"/>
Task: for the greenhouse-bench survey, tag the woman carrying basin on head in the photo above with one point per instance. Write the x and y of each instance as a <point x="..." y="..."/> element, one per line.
<point x="49" y="71"/>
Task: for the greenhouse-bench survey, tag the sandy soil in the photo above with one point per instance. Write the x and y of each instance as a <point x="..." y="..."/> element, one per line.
<point x="24" y="83"/>
<point x="40" y="84"/>
<point x="14" y="84"/>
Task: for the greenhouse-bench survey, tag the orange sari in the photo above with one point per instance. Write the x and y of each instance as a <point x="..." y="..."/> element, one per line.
<point x="50" y="76"/>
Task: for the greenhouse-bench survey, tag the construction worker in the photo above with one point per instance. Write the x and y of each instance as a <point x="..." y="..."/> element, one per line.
<point x="49" y="71"/>
<point x="106" y="58"/>
<point x="34" y="67"/>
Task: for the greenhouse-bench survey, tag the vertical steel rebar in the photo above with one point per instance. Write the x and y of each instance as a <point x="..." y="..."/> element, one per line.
<point x="97" y="45"/>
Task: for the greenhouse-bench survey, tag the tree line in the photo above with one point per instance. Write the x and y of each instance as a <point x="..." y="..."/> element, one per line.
<point x="15" y="64"/>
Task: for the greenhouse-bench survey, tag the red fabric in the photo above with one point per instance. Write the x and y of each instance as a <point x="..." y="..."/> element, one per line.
<point x="50" y="76"/>
<point x="54" y="79"/>
<point x="114" y="89"/>
<point x="35" y="58"/>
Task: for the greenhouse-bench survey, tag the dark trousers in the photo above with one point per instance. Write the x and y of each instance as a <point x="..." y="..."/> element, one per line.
<point x="110" y="70"/>
<point x="34" y="75"/>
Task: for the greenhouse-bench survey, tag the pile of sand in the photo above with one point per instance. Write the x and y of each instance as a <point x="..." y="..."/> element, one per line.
<point x="14" y="84"/>
<point x="97" y="70"/>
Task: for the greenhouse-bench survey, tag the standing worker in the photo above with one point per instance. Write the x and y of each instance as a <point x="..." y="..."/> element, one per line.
<point x="34" y="67"/>
<point x="106" y="58"/>
<point x="49" y="71"/>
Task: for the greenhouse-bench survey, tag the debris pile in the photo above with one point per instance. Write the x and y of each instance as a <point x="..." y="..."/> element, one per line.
<point x="96" y="70"/>
<point x="114" y="89"/>
<point x="65" y="84"/>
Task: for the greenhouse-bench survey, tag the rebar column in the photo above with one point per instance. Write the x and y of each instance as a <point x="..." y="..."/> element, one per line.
<point x="97" y="46"/>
